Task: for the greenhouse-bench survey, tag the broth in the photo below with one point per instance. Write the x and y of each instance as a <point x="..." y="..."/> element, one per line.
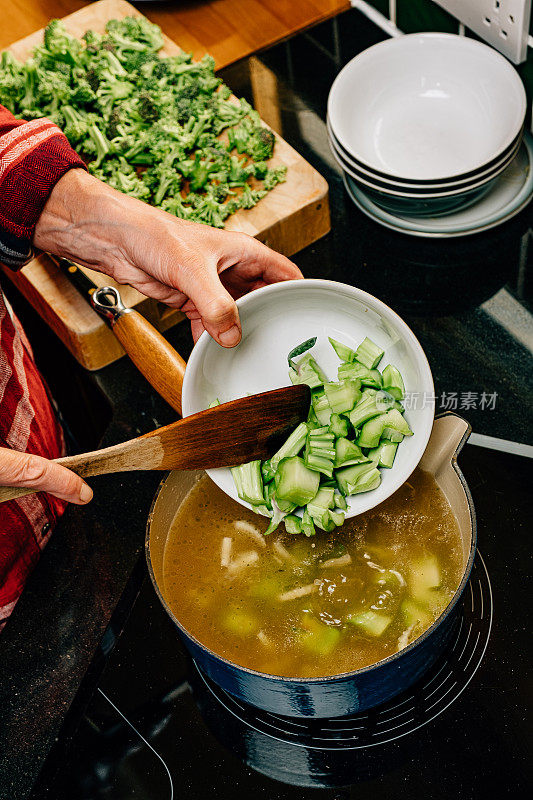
<point x="310" y="607"/>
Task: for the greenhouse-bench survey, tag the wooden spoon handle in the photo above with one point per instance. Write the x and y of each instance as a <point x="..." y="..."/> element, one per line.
<point x="154" y="357"/>
<point x="144" y="452"/>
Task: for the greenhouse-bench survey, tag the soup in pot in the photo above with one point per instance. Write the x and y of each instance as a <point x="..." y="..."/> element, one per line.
<point x="310" y="607"/>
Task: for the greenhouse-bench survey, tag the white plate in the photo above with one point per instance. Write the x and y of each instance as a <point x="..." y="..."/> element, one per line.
<point x="277" y="318"/>
<point x="510" y="194"/>
<point x="427" y="106"/>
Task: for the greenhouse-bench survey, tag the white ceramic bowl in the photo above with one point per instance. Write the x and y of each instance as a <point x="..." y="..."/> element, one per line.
<point x="427" y="106"/>
<point x="277" y="318"/>
<point x="496" y="167"/>
<point x="417" y="191"/>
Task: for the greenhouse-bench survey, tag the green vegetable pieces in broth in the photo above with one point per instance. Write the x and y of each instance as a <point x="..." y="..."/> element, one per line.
<point x="308" y="607"/>
<point x="353" y="431"/>
<point x="161" y="129"/>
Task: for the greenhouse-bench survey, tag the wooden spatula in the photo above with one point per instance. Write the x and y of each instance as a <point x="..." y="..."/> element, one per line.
<point x="233" y="433"/>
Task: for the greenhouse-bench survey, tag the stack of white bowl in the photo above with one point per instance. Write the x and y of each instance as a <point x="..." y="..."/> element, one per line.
<point x="425" y="123"/>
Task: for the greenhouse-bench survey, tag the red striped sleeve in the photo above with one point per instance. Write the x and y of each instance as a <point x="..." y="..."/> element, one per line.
<point x="27" y="424"/>
<point x="33" y="157"/>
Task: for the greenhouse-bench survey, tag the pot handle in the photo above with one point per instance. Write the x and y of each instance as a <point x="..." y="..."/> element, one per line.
<point x="153" y="356"/>
<point x="449" y="434"/>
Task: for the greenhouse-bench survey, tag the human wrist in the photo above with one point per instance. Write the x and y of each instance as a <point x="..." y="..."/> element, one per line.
<point x="83" y="219"/>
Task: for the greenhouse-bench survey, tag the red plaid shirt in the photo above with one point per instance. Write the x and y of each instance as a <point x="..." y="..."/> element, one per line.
<point x="33" y="156"/>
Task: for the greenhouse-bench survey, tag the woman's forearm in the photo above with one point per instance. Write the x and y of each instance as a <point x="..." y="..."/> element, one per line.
<point x="87" y="221"/>
<point x="185" y="264"/>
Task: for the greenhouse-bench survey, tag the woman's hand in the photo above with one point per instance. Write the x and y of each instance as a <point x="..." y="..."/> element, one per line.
<point x="35" y="472"/>
<point x="193" y="267"/>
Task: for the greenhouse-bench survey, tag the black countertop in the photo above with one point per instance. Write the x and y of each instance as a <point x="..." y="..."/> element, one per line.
<point x="466" y="299"/>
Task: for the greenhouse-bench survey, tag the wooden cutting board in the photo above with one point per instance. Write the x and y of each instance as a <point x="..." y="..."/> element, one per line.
<point x="290" y="217"/>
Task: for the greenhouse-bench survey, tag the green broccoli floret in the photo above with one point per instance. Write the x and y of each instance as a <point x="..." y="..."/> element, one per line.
<point x="115" y="128"/>
<point x="209" y="211"/>
<point x="60" y="44"/>
<point x="176" y="206"/>
<point x="260" y="170"/>
<point x="121" y="176"/>
<point x="238" y="139"/>
<point x="250" y="197"/>
<point x="93" y="78"/>
<point x="183" y="110"/>
<point x="83" y="94"/>
<point x="12" y="82"/>
<point x="107" y="62"/>
<point x="112" y="89"/>
<point x="136" y="148"/>
<point x="76" y="126"/>
<point x="93" y="41"/>
<point x="134" y="33"/>
<point x="53" y="91"/>
<point x="192" y="130"/>
<point x="261" y="144"/>
<point x="251" y="137"/>
<point x="98" y="145"/>
<point x="199" y="173"/>
<point x="31" y="87"/>
<point x="163" y="178"/>
<point x="238" y="171"/>
<point x="226" y="114"/>
<point x="122" y="105"/>
<point x="220" y="192"/>
<point x="274" y="176"/>
<point x="148" y="108"/>
<point x="135" y="61"/>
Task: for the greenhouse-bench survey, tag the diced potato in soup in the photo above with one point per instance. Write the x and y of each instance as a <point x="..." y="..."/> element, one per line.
<point x="310" y="607"/>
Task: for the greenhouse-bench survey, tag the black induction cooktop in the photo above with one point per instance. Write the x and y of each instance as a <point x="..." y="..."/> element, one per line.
<point x="156" y="727"/>
<point x="144" y="724"/>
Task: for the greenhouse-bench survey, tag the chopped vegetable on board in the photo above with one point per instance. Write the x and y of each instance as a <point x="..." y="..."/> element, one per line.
<point x="163" y="129"/>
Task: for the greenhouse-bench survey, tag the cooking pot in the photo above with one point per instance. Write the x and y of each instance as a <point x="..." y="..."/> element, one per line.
<point x="346" y="693"/>
<point x="332" y="695"/>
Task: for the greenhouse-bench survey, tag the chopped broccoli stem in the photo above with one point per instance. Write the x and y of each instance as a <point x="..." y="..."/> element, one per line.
<point x="249" y="482"/>
<point x="369" y="353"/>
<point x="342" y="397"/>
<point x="308" y="526"/>
<point x="344" y="352"/>
<point x="350" y="477"/>
<point x="293" y="524"/>
<point x="291" y="447"/>
<point x="340" y="501"/>
<point x="317" y="638"/>
<point x="393" y="382"/>
<point x="319" y="463"/>
<point x="322" y="410"/>
<point x="348" y="453"/>
<point x="369" y="481"/>
<point x="352" y="371"/>
<point x="325" y="497"/>
<point x="384" y="454"/>
<point x="372" y="379"/>
<point x="306" y="370"/>
<point x="338" y="425"/>
<point x="392" y="435"/>
<point x="267" y="471"/>
<point x="295" y="482"/>
<point x="371" y="623"/>
<point x="365" y="409"/>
